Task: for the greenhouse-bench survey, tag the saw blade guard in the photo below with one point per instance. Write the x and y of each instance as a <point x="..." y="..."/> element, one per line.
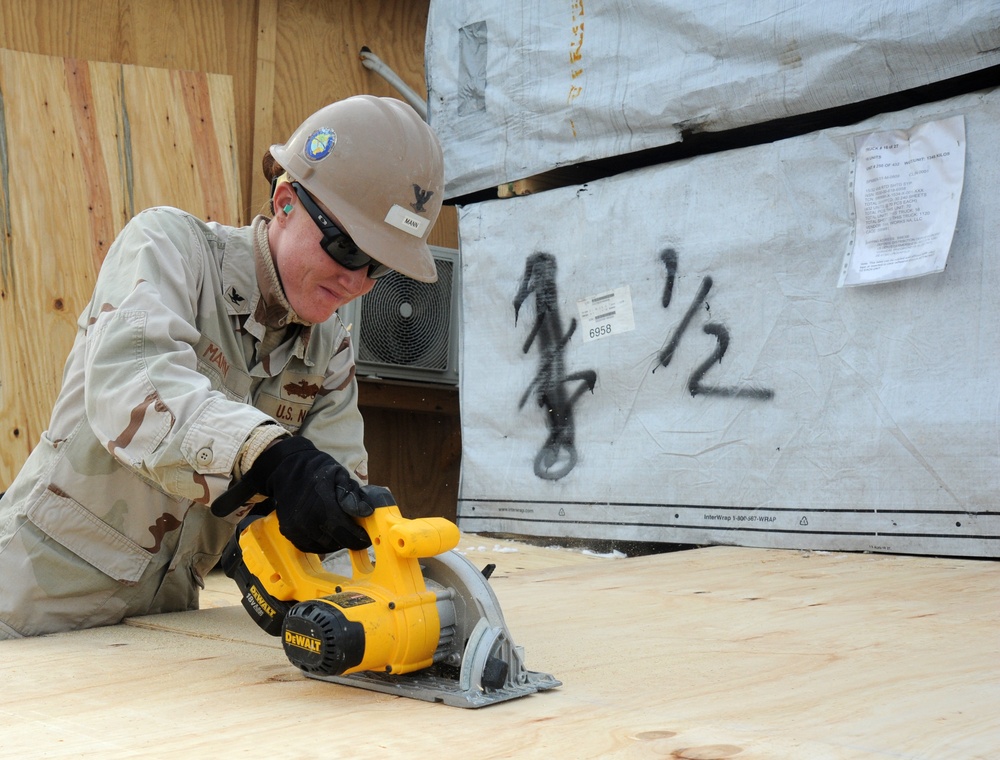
<point x="484" y="666"/>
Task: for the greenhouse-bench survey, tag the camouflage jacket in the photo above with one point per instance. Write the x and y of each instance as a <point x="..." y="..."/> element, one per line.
<point x="179" y="357"/>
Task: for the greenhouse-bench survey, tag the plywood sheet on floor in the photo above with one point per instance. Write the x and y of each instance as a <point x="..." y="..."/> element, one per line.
<point x="710" y="653"/>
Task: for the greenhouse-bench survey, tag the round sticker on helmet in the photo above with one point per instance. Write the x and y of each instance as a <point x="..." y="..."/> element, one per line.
<point x="320" y="143"/>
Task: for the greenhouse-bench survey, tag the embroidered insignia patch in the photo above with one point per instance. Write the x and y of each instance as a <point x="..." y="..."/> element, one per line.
<point x="320" y="143"/>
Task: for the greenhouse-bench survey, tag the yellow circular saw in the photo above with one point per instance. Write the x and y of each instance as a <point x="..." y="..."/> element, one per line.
<point x="411" y="617"/>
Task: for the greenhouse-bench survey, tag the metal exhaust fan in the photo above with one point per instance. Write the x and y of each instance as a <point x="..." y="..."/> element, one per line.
<point x="407" y="329"/>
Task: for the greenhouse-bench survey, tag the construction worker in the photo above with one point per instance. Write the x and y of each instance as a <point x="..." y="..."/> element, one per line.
<point x="211" y="356"/>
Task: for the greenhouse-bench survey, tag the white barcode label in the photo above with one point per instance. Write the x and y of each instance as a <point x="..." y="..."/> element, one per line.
<point x="606" y="314"/>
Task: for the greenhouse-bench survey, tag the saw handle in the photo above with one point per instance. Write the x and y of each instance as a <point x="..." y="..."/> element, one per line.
<point x="396" y="541"/>
<point x="315" y="496"/>
<point x="397" y="544"/>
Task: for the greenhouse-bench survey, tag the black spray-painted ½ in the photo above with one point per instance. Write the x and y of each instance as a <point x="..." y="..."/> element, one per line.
<point x="721" y="333"/>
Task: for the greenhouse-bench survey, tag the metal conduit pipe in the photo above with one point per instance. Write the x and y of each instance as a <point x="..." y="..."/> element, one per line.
<point x="371" y="61"/>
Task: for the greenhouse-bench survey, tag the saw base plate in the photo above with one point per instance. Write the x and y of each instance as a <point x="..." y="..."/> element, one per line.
<point x="435" y="685"/>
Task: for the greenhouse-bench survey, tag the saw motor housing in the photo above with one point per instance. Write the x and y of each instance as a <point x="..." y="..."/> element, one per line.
<point x="382" y="618"/>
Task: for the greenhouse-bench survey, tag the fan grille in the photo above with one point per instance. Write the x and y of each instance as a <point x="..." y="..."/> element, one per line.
<point x="407" y="323"/>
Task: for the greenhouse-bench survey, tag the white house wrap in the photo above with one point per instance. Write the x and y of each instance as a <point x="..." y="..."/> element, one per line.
<point x="730" y="392"/>
<point x="524" y="86"/>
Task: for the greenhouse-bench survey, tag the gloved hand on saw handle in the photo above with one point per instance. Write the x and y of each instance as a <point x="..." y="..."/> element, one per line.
<point x="315" y="496"/>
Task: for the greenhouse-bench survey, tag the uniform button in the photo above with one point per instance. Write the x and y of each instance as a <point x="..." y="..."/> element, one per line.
<point x="205" y="456"/>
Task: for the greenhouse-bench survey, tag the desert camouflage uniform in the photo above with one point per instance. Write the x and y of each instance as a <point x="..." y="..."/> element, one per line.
<point x="187" y="354"/>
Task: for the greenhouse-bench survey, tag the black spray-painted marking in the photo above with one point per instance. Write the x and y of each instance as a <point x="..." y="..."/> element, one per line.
<point x="669" y="259"/>
<point x="721" y="333"/>
<point x="667" y="353"/>
<point x="557" y="456"/>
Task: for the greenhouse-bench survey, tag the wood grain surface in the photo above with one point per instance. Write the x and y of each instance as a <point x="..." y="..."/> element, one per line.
<point x="279" y="59"/>
<point x="85" y="146"/>
<point x="711" y="653"/>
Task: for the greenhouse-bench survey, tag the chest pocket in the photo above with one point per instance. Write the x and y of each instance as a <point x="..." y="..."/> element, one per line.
<point x="289" y="398"/>
<point x="222" y="370"/>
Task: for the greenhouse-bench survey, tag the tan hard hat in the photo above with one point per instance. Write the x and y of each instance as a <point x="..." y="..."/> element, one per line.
<point x="378" y="168"/>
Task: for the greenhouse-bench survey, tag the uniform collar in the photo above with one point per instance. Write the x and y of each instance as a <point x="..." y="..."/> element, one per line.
<point x="272" y="309"/>
<point x="270" y="312"/>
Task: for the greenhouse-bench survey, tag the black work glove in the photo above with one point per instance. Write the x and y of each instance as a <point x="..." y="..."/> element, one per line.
<point x="315" y="496"/>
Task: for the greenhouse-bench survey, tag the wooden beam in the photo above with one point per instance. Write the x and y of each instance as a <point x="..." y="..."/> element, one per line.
<point x="401" y="395"/>
<point x="263" y="111"/>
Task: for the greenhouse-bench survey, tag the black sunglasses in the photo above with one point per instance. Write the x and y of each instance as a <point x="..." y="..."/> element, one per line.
<point x="336" y="242"/>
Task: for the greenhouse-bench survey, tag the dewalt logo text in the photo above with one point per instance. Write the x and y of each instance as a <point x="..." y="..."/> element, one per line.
<point x="301" y="641"/>
<point x="259" y="602"/>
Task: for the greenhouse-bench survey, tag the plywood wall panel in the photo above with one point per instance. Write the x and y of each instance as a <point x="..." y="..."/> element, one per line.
<point x="319" y="46"/>
<point x="283" y="58"/>
<point x="49" y="251"/>
<point x="317" y="61"/>
<point x="212" y="36"/>
<point x="181" y="156"/>
<point x="83" y="146"/>
<point x="312" y="53"/>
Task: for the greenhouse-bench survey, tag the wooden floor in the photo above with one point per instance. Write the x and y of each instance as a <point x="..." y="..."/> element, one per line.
<point x="710" y="653"/>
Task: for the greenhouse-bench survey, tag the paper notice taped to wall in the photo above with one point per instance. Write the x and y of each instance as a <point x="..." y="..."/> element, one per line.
<point x="906" y="190"/>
